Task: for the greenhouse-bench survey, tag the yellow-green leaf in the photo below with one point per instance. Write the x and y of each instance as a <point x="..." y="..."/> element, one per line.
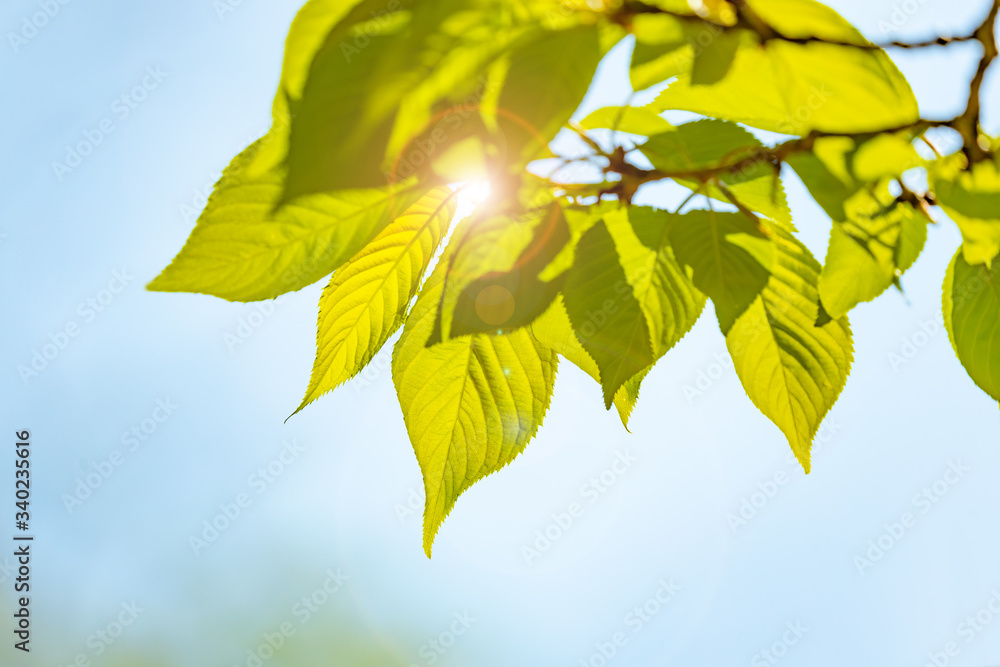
<point x="971" y="305"/>
<point x="972" y="199"/>
<point x="359" y="78"/>
<point x="554" y="330"/>
<point x="547" y="80"/>
<point x="313" y="22"/>
<point x="709" y="143"/>
<point x="869" y="250"/>
<point x="729" y="257"/>
<point x="607" y="318"/>
<point x="633" y="120"/>
<point x="492" y="253"/>
<point x="885" y="156"/>
<point x="512" y="298"/>
<point x="366" y="299"/>
<point x="470" y="404"/>
<point x="794" y="88"/>
<point x="243" y="249"/>
<point x="791" y="369"/>
<point x="670" y="301"/>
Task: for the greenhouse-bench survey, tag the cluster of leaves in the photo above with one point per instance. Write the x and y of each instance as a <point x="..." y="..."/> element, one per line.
<point x="384" y="103"/>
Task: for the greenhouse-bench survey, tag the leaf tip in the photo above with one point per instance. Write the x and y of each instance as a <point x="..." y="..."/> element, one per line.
<point x="430" y="533"/>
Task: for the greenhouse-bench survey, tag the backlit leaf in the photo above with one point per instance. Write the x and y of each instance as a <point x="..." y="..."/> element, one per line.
<point x="971" y="306"/>
<point x="545" y="83"/>
<point x="242" y="249"/>
<point x="729" y="257"/>
<point x="663" y="288"/>
<point x="794" y="88"/>
<point x="791" y="369"/>
<point x="342" y="126"/>
<point x="367" y="298"/>
<point x="634" y="120"/>
<point x="554" y="330"/>
<point x="512" y="298"/>
<point x="972" y="199"/>
<point x="470" y="404"/>
<point x="870" y="250"/>
<point x="708" y="143"/>
<point x="607" y="318"/>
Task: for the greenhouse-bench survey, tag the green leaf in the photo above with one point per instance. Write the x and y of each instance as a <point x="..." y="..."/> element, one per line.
<point x="667" y="46"/>
<point x="971" y="305"/>
<point x="633" y="120"/>
<point x="241" y="249"/>
<point x="874" y="238"/>
<point x="801" y="19"/>
<point x="313" y="22"/>
<point x="885" y="156"/>
<point x="701" y="144"/>
<point x="713" y="63"/>
<point x="729" y="257"/>
<point x="668" y="298"/>
<point x="826" y="172"/>
<point x="545" y="83"/>
<point x="607" y="318"/>
<point x="509" y="299"/>
<point x="795" y="88"/>
<point x="870" y="250"/>
<point x="554" y="331"/>
<point x="837" y="167"/>
<point x="493" y="265"/>
<point x="972" y="199"/>
<point x="791" y="369"/>
<point x="666" y="295"/>
<point x="357" y="83"/>
<point x="579" y="218"/>
<point x="442" y="122"/>
<point x="366" y="299"/>
<point x="706" y="144"/>
<point x="470" y="404"/>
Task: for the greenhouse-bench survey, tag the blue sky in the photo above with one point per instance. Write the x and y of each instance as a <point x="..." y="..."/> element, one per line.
<point x="79" y="246"/>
